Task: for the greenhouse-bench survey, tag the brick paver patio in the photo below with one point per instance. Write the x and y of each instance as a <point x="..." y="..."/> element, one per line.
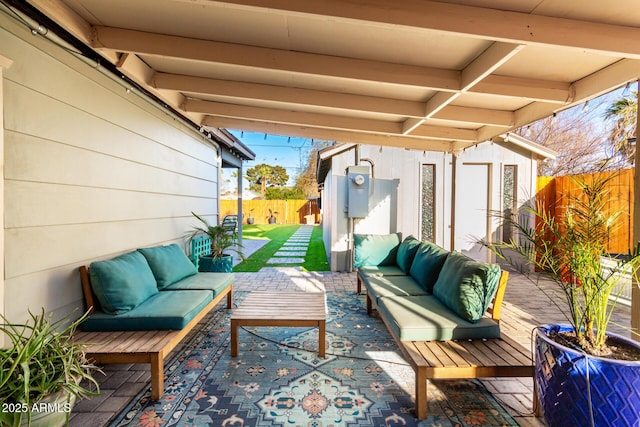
<point x="525" y="306"/>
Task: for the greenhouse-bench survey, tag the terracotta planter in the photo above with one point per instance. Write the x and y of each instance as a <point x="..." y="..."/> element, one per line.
<point x="210" y="264"/>
<point x="580" y="390"/>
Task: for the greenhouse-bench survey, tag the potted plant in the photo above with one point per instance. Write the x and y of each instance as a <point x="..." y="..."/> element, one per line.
<point x="250" y="219"/>
<point x="43" y="372"/>
<point x="272" y="216"/>
<point x="222" y="241"/>
<point x="583" y="373"/>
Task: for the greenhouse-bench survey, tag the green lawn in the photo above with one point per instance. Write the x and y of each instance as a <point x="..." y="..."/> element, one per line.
<point x="315" y="260"/>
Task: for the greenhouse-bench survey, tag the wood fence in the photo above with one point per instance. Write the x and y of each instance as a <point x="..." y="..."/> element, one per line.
<point x="285" y="211"/>
<point x="553" y="192"/>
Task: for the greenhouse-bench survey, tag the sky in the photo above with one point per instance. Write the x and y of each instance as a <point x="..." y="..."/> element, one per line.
<point x="289" y="152"/>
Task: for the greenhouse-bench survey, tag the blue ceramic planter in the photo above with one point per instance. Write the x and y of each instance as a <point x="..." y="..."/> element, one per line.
<point x="581" y="390"/>
<point x="209" y="264"/>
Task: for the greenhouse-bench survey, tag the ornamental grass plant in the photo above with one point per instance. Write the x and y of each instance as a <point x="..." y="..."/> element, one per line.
<point x="567" y="249"/>
<point x="42" y="360"/>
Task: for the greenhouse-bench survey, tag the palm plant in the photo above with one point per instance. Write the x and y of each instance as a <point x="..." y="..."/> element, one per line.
<point x="567" y="249"/>
<point x="221" y="239"/>
<point x="624" y="113"/>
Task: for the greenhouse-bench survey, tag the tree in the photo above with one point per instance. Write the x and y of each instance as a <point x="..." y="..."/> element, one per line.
<point x="306" y="182"/>
<point x="263" y="175"/>
<point x="283" y="193"/>
<point x="623" y="113"/>
<point x="573" y="134"/>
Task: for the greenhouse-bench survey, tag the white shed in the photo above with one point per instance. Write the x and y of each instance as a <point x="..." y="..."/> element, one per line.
<point x="442" y="197"/>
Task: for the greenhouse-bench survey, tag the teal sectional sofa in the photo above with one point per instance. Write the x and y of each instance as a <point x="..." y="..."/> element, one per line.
<point x="425" y="293"/>
<point x="442" y="308"/>
<point x="156" y="288"/>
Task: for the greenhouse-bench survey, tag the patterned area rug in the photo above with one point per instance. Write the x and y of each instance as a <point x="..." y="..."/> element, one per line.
<point x="278" y="380"/>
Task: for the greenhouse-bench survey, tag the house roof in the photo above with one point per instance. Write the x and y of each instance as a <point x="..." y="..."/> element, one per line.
<point x="411" y="73"/>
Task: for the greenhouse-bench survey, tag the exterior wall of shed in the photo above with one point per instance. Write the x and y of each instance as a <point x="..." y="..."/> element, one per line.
<point x="395" y="205"/>
<point x="90" y="172"/>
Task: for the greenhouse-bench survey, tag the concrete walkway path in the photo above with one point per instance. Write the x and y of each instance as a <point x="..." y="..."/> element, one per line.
<point x="294" y="250"/>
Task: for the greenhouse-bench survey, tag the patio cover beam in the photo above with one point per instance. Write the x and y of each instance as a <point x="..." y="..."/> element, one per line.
<point x="145" y="43"/>
<point x="322" y="120"/>
<point x="492" y="58"/>
<point x="481" y="22"/>
<point x="411" y="142"/>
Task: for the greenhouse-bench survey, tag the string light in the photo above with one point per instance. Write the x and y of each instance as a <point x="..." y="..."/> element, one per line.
<point x="585" y="107"/>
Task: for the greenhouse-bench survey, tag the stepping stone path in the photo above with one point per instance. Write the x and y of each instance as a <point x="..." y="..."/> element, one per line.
<point x="293" y="251"/>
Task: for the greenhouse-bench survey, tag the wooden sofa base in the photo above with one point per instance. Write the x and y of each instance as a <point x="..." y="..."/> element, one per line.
<point x="488" y="358"/>
<point x="144" y="346"/>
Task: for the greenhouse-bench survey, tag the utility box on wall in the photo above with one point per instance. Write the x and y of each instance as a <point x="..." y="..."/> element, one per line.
<point x="358" y="182"/>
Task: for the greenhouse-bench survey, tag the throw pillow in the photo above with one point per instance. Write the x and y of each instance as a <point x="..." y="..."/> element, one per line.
<point x="169" y="264"/>
<point x="122" y="283"/>
<point x="427" y="263"/>
<point x="406" y="252"/>
<point x="375" y="249"/>
<point x="467" y="286"/>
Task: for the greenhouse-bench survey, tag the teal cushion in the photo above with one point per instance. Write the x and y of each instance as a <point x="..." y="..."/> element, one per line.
<point x="214" y="282"/>
<point x="424" y="318"/>
<point x="380" y="270"/>
<point x="385" y="286"/>
<point x="406" y="252"/>
<point x="122" y="283"/>
<point x="168" y="263"/>
<point x="163" y="311"/>
<point x="427" y="264"/>
<point x="467" y="286"/>
<point x="375" y="249"/>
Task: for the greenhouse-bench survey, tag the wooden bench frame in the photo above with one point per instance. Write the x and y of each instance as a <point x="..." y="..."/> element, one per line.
<point x="487" y="358"/>
<point x="139" y="346"/>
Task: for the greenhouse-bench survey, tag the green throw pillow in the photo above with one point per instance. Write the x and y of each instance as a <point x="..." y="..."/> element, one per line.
<point x="467" y="286"/>
<point x="375" y="249"/>
<point x="406" y="251"/>
<point x="122" y="283"/>
<point x="169" y="264"/>
<point x="427" y="264"/>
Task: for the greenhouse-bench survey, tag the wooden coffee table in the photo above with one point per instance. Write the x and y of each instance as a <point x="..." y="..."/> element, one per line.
<point x="290" y="309"/>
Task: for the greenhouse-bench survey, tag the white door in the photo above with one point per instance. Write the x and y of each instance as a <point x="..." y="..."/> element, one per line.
<point x="472" y="184"/>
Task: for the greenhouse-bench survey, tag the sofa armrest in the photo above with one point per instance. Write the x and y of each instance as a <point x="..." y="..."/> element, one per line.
<point x="496" y="302"/>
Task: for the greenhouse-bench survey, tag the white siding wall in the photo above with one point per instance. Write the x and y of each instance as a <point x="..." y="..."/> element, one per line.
<point x="498" y="155"/>
<point x="401" y="172"/>
<point x="91" y="172"/>
<point x="4" y="63"/>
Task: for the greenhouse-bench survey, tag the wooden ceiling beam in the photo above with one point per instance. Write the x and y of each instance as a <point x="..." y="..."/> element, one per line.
<point x="288" y="95"/>
<point x="329" y="134"/>
<point x="145" y="43"/>
<point x="516" y="87"/>
<point x="472" y="21"/>
<point x="71" y="21"/>
<point x="321" y="120"/>
<point x="477" y="116"/>
<point x="487" y="62"/>
<point x="291" y="117"/>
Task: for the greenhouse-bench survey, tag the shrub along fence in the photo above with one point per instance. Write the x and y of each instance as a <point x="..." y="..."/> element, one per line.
<point x="284" y="211"/>
<point x="553" y="191"/>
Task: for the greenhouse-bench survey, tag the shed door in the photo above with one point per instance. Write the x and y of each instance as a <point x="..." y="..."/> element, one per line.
<point x="471" y="216"/>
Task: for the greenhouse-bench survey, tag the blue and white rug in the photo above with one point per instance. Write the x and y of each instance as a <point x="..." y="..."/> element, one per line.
<point x="278" y="380"/>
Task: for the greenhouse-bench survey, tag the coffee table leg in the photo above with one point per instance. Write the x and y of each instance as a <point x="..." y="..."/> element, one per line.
<point x="234" y="338"/>
<point x="321" y="338"/>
